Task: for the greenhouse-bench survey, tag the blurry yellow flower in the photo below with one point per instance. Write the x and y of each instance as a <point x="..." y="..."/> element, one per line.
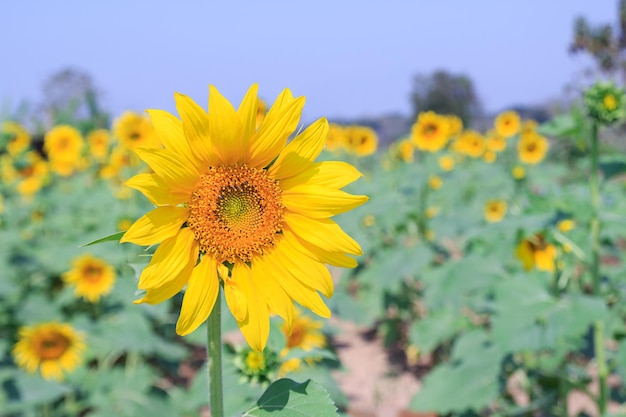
<point x="507" y="124"/>
<point x="31" y="173"/>
<point x="518" y="172"/>
<point x="336" y="138"/>
<point x="532" y="148"/>
<point x="446" y="163"/>
<point x="435" y="182"/>
<point x="305" y="333"/>
<point x="566" y="225"/>
<point x="412" y="354"/>
<point x="91" y="276"/>
<point x="124" y="223"/>
<point x="489" y="157"/>
<point x="470" y="143"/>
<point x="528" y="126"/>
<point x="610" y="102"/>
<point x="135" y="131"/>
<point x="361" y="140"/>
<point x="431" y="212"/>
<point x="64" y="143"/>
<point x="255" y="361"/>
<point x="18" y="137"/>
<point x="245" y="199"/>
<point x="535" y="252"/>
<point x="99" y="140"/>
<point x="430" y="132"/>
<point x="455" y="125"/>
<point x="53" y="348"/>
<point x="369" y="220"/>
<point x="406" y="150"/>
<point x="495" y="142"/>
<point x="495" y="210"/>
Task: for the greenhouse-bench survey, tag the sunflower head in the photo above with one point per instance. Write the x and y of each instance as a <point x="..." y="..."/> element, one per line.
<point x="63" y="145"/>
<point x="305" y="333"/>
<point x="446" y="162"/>
<point x="535" y="252"/>
<point x="336" y="138"/>
<point x="518" y="172"/>
<point x="435" y="182"/>
<point x="532" y="148"/>
<point x="470" y="143"/>
<point x="134" y="130"/>
<point x="91" y="277"/>
<point x="566" y="225"/>
<point x="495" y="210"/>
<point x="406" y="150"/>
<point x="256" y="367"/>
<point x="507" y="124"/>
<point x="241" y="205"/>
<point x="495" y="142"/>
<point x="361" y="140"/>
<point x="430" y="132"/>
<point x="52" y="348"/>
<point x="98" y="141"/>
<point x="605" y="103"/>
<point x="14" y="138"/>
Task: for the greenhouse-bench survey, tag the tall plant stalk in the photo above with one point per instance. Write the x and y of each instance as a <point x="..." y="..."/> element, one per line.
<point x="214" y="352"/>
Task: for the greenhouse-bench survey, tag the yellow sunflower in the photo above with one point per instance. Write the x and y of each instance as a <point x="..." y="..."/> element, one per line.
<point x="528" y="127"/>
<point x="336" y="138"/>
<point x="495" y="142"/>
<point x="18" y="137"/>
<point x="305" y="333"/>
<point x="52" y="347"/>
<point x="406" y="150"/>
<point x="99" y="140"/>
<point x="566" y="225"/>
<point x="134" y="130"/>
<point x="532" y="148"/>
<point x="91" y="276"/>
<point x="231" y="195"/>
<point x="64" y="143"/>
<point x="507" y="124"/>
<point x="435" y="182"/>
<point x="446" y="163"/>
<point x="470" y="143"/>
<point x="455" y="125"/>
<point x="535" y="252"/>
<point x="495" y="210"/>
<point x="490" y="157"/>
<point x="430" y="132"/>
<point x="361" y="140"/>
<point x="518" y="172"/>
<point x="31" y="173"/>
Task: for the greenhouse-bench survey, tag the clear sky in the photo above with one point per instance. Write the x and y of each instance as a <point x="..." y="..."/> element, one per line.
<point x="349" y="58"/>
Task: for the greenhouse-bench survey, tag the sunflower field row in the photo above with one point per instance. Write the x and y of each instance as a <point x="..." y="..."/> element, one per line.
<point x="493" y="261"/>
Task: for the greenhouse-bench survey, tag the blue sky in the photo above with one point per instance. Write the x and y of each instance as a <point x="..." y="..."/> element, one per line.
<point x="349" y="58"/>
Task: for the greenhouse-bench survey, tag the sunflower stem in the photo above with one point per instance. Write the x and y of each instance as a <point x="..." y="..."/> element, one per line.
<point x="214" y="351"/>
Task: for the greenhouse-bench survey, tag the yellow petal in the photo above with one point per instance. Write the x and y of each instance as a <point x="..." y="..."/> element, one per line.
<point x="169" y="288"/>
<point x="155" y="190"/>
<point x="302" y="294"/>
<point x="247" y="112"/>
<point x="169" y="259"/>
<point x="331" y="258"/>
<point x="225" y="129"/>
<point x="275" y="297"/>
<point x="200" y="296"/>
<point x="51" y="369"/>
<point x="271" y="137"/>
<point x="171" y="170"/>
<point x="324" y="233"/>
<point x="307" y="270"/>
<point x="236" y="299"/>
<point x="196" y="127"/>
<point x="331" y="174"/>
<point x="256" y="326"/>
<point x="300" y="153"/>
<point x="156" y="226"/>
<point x="319" y="202"/>
<point x="170" y="131"/>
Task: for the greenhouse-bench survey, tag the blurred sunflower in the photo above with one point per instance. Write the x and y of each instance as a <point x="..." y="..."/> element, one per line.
<point x="518" y="172"/>
<point x="507" y="124"/>
<point x="91" y="276"/>
<point x="16" y="136"/>
<point x="435" y="182"/>
<point x="430" y="132"/>
<point x="446" y="163"/>
<point x="336" y="138"/>
<point x="528" y="127"/>
<point x="305" y="333"/>
<point x="489" y="157"/>
<point x="495" y="210"/>
<point x="406" y="150"/>
<point x="134" y="130"/>
<point x="98" y="141"/>
<point x="361" y="140"/>
<point x="566" y="225"/>
<point x="455" y="125"/>
<point x="52" y="347"/>
<point x="535" y="252"/>
<point x="240" y="199"/>
<point x="29" y="171"/>
<point x="470" y="143"/>
<point x="63" y="145"/>
<point x="532" y="148"/>
<point x="494" y="142"/>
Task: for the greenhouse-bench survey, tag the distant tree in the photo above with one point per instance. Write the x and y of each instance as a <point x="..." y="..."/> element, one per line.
<point x="604" y="43"/>
<point x="445" y="93"/>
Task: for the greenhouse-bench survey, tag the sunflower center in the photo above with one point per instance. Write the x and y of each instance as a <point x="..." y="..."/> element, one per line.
<point x="610" y="102"/>
<point x="51" y="346"/>
<point x="92" y="273"/>
<point x="235" y="212"/>
<point x="296" y="337"/>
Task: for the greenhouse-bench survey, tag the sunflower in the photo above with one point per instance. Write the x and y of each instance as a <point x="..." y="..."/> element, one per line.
<point x="64" y="143"/>
<point x="30" y="172"/>
<point x="566" y="225"/>
<point x="52" y="347"/>
<point x="430" y="132"/>
<point x="336" y="138"/>
<point x="470" y="143"/>
<point x="435" y="182"/>
<point x="507" y="124"/>
<point x="535" y="252"/>
<point x="91" y="276"/>
<point x="495" y="210"/>
<point x="495" y="142"/>
<point x="361" y="140"/>
<point x="231" y="195"/>
<point x="99" y="140"/>
<point x="455" y="125"/>
<point x="305" y="333"/>
<point x="518" y="172"/>
<point x="135" y="131"/>
<point x="532" y="148"/>
<point x="446" y="163"/>
<point x="490" y="157"/>
<point x="18" y="138"/>
<point x="406" y="150"/>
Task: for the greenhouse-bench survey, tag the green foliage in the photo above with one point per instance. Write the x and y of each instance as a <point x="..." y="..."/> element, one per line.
<point x="288" y="398"/>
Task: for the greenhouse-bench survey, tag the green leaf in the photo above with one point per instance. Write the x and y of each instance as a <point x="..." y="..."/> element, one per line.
<point x="430" y="332"/>
<point x="112" y="237"/>
<point x="287" y="398"/>
<point x="563" y="125"/>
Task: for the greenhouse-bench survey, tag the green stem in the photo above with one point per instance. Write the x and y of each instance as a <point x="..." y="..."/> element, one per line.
<point x="603" y="371"/>
<point x="214" y="350"/>
<point x="595" y="208"/>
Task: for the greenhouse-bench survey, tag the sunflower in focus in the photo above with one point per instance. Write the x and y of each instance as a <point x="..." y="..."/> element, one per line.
<point x="238" y="199"/>
<point x="336" y="138"/>
<point x="507" y="124"/>
<point x="470" y="143"/>
<point x="430" y="132"/>
<point x="98" y="141"/>
<point x="91" y="277"/>
<point x="495" y="210"/>
<point x="134" y="131"/>
<point x="53" y="348"/>
<point x="361" y="140"/>
<point x="16" y="136"/>
<point x="535" y="252"/>
<point x="532" y="148"/>
<point x="305" y="333"/>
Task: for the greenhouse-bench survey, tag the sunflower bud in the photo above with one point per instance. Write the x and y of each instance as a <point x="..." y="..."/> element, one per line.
<point x="605" y="103"/>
